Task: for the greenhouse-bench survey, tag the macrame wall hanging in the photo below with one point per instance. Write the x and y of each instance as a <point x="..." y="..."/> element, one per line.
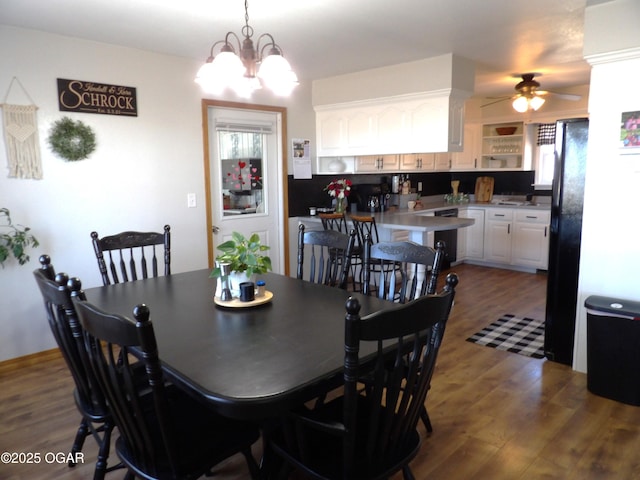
<point x="21" y="137"/>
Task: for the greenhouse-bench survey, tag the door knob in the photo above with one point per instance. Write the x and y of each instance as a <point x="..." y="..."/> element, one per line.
<point x="215" y="230"/>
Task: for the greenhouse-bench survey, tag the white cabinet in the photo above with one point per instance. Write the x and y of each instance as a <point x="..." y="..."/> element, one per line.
<point x="443" y="161"/>
<point x="517" y="237"/>
<point x="424" y="122"/>
<point x="471" y="239"/>
<point x="377" y="163"/>
<point x="469" y="157"/>
<point x="531" y="239"/>
<point x="417" y="162"/>
<point x="497" y="235"/>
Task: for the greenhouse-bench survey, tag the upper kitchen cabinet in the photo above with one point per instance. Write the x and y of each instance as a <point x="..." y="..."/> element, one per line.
<point x="426" y="122"/>
<point x="413" y="107"/>
<point x="417" y="162"/>
<point x="505" y="146"/>
<point x="469" y="157"/>
<point x="377" y="163"/>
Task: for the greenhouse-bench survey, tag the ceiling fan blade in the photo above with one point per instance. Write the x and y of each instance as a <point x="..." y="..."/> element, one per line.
<point x="566" y="96"/>
<point x="502" y="99"/>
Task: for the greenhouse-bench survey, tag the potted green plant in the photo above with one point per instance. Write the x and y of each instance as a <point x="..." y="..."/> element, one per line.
<point x="246" y="257"/>
<point x="14" y="239"/>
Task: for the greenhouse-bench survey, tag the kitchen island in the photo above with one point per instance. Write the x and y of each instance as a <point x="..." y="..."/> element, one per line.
<point x="503" y="234"/>
<point x="415" y="225"/>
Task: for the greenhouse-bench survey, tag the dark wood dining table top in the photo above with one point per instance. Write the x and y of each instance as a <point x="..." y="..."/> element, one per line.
<point x="249" y="362"/>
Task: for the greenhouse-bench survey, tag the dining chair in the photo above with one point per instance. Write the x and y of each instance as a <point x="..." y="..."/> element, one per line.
<point x="96" y="419"/>
<point x="366" y="232"/>
<point x="164" y="432"/>
<point x="129" y="254"/>
<point x="329" y="256"/>
<point x="334" y="221"/>
<point x="414" y="269"/>
<point x="411" y="271"/>
<point x="371" y="432"/>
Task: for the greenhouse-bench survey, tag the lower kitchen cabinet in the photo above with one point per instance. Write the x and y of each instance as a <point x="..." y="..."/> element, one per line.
<point x="517" y="237"/>
<point x="497" y="235"/>
<point x="471" y="239"/>
<point x="531" y="239"/>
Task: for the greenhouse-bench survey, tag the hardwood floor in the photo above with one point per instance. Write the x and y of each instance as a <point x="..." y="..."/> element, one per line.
<point x="496" y="415"/>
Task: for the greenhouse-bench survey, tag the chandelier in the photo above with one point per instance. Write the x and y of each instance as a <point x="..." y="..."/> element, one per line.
<point x="247" y="68"/>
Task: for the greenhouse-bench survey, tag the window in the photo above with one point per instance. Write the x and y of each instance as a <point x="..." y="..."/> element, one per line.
<point x="544" y="160"/>
<point x="544" y="154"/>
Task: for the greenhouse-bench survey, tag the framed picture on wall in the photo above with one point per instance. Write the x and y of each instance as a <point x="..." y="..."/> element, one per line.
<point x="630" y="132"/>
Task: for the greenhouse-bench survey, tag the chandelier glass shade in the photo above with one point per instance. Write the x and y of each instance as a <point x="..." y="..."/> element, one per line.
<point x="244" y="67"/>
<point x="527" y="102"/>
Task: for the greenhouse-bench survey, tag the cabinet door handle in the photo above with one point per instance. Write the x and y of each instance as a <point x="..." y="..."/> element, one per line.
<point x="531" y="216"/>
<point x="545" y="231"/>
<point x="499" y="214"/>
<point x="508" y="229"/>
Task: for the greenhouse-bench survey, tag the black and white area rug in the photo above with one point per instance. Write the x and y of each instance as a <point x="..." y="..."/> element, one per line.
<point x="513" y="334"/>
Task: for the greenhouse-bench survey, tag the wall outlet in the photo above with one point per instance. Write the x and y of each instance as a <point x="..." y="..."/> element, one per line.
<point x="419" y="186"/>
<point x="191" y="200"/>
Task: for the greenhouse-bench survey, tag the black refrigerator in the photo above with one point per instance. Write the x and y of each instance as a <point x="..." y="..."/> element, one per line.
<point x="564" y="238"/>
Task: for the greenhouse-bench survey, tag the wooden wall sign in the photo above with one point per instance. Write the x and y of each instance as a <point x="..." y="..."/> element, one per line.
<point x="92" y="97"/>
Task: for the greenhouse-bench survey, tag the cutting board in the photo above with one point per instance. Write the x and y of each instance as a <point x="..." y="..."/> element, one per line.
<point x="484" y="189"/>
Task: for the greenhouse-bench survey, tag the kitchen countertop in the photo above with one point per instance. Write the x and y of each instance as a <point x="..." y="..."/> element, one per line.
<point x="435" y="206"/>
<point x="421" y="221"/>
<point x="412" y="220"/>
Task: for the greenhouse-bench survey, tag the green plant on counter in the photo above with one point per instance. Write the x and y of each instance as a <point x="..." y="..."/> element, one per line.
<point x="243" y="254"/>
<point x="14" y="239"/>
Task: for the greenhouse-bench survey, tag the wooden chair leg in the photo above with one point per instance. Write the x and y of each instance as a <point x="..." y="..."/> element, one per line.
<point x="254" y="469"/>
<point x="407" y="474"/>
<point x="424" y="416"/>
<point x="78" y="442"/>
<point x="103" y="453"/>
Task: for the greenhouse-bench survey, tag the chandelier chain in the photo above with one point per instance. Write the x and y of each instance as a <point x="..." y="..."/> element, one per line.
<point x="247" y="31"/>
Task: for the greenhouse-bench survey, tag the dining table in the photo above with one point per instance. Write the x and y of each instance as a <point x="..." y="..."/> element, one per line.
<point x="250" y="362"/>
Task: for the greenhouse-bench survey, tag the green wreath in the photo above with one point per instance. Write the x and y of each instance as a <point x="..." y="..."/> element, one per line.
<point x="72" y="140"/>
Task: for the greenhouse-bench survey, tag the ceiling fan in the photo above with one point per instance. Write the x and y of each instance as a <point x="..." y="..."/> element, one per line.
<point x="528" y="97"/>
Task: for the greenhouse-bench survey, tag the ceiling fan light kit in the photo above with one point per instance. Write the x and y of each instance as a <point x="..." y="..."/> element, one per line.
<point x="528" y="97"/>
<point x="248" y="70"/>
<point x="523" y="103"/>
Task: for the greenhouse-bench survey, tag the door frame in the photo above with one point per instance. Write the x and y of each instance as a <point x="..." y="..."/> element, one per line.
<point x="284" y="190"/>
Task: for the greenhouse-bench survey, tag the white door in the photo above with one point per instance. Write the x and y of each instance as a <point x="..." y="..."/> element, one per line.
<point x="245" y="165"/>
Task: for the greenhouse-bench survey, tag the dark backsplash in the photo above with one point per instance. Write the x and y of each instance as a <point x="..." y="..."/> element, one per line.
<point x="310" y="192"/>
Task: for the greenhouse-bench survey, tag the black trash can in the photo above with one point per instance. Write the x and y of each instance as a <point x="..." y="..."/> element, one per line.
<point x="613" y="348"/>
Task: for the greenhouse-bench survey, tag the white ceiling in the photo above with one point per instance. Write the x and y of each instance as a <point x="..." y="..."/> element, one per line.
<point x="323" y="38"/>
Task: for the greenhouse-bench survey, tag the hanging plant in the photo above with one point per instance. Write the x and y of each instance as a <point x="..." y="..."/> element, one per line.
<point x="72" y="140"/>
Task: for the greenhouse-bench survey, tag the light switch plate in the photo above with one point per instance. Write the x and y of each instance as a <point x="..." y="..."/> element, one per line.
<point x="191" y="200"/>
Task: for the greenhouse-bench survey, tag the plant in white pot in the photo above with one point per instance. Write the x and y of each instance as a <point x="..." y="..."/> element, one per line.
<point x="246" y="259"/>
